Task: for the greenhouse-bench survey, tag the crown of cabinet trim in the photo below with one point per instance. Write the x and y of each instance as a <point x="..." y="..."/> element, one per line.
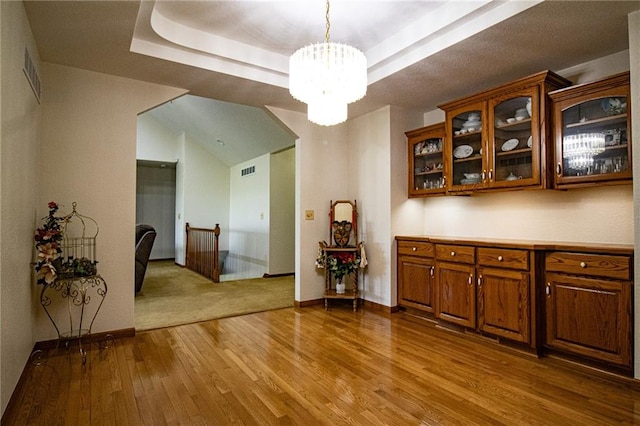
<point x="548" y="76"/>
<point x="571" y="92"/>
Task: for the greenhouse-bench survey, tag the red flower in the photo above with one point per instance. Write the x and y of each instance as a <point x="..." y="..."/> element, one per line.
<point x="343" y="263"/>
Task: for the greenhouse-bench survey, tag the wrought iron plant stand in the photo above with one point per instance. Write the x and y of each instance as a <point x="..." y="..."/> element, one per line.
<point x="79" y="284"/>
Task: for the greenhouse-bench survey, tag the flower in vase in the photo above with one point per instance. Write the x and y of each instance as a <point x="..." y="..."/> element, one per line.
<point x="343" y="263"/>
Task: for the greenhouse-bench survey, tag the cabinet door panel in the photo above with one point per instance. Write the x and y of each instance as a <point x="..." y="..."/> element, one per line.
<point x="426" y="161"/>
<point x="503" y="303"/>
<point x="456" y="293"/>
<point x="416" y="282"/>
<point x="589" y="317"/>
<point x="514" y="159"/>
<point x="466" y="139"/>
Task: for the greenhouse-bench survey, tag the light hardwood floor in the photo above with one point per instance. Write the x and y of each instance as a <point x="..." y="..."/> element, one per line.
<point x="306" y="366"/>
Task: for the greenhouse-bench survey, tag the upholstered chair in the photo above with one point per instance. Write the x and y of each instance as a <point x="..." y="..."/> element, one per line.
<point x="145" y="236"/>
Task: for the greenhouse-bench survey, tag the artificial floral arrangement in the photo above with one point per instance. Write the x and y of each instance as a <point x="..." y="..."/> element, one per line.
<point x="49" y="240"/>
<point x="343" y="263"/>
<point x="48" y="247"/>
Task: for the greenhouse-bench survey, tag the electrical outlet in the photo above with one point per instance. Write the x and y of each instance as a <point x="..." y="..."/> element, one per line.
<point x="308" y="214"/>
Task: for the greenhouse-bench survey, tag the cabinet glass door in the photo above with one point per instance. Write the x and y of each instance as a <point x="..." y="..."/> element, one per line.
<point x="595" y="140"/>
<point x="466" y="160"/>
<point x="514" y="156"/>
<point x="428" y="165"/>
<point x="426" y="161"/>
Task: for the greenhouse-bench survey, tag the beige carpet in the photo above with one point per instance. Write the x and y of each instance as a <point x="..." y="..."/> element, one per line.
<point x="172" y="295"/>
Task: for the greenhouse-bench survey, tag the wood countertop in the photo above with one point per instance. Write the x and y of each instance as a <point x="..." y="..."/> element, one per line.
<point x="583" y="247"/>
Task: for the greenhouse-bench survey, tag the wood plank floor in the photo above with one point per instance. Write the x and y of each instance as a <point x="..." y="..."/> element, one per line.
<point x="312" y="367"/>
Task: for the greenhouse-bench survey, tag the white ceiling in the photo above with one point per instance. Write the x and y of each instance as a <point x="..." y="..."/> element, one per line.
<point x="420" y="53"/>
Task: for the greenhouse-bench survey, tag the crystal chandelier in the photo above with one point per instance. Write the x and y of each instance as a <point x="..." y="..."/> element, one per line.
<point x="327" y="76"/>
<point x="580" y="149"/>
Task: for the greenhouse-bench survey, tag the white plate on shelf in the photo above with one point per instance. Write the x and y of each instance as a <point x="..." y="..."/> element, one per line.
<point x="463" y="151"/>
<point x="510" y="144"/>
<point x="530" y="141"/>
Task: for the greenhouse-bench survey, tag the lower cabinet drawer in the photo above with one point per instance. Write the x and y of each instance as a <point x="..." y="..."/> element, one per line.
<point x="504" y="258"/>
<point x="596" y="265"/>
<point x="455" y="253"/>
<point x="416" y="248"/>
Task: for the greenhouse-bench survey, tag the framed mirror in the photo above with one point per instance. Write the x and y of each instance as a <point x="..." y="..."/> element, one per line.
<point x="343" y="226"/>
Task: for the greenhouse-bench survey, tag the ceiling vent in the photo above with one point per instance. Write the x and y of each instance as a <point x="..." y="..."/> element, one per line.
<point x="32" y="75"/>
<point x="248" y="171"/>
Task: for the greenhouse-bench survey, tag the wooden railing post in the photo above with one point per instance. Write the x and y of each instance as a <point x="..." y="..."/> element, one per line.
<point x="216" y="262"/>
<point x="186" y="244"/>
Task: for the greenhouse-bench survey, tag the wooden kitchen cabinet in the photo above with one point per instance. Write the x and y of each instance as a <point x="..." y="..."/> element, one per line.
<point x="455" y="284"/>
<point x="589" y="306"/>
<point x="570" y="299"/>
<point x="426" y="164"/>
<point x="504" y="293"/>
<point x="593" y="133"/>
<point x="499" y="139"/>
<point x="503" y="303"/>
<point x="416" y="275"/>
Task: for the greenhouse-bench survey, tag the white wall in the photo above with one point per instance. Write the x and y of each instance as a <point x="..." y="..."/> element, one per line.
<point x="321" y="176"/>
<point x="370" y="184"/>
<point x="206" y="189"/>
<point x="406" y="213"/>
<point x="89" y="149"/>
<point x="19" y="142"/>
<point x="249" y="220"/>
<point x="155" y="141"/>
<point x="282" y="230"/>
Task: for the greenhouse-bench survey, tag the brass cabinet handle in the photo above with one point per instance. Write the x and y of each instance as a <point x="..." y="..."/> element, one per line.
<point x="432" y="273"/>
<point x="583" y="264"/>
<point x="559" y="169"/>
<point x="548" y="289"/>
<point x="453" y="253"/>
<point x="484" y="174"/>
<point x="414" y="248"/>
<point x="470" y="279"/>
<point x="490" y="174"/>
<point x="480" y="281"/>
<point x="500" y="258"/>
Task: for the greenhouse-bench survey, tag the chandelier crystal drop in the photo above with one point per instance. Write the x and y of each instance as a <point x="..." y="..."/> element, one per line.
<point x="327" y="76"/>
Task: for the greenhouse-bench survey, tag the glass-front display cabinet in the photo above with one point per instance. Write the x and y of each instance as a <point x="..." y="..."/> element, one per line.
<point x="593" y="133"/>
<point x="515" y="155"/>
<point x="426" y="163"/>
<point x="498" y="139"/>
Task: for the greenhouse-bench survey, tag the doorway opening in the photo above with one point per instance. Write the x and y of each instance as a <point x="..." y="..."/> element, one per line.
<point x="192" y="154"/>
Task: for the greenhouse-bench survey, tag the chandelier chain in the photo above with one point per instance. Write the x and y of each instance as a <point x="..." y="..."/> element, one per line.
<point x="326" y="34"/>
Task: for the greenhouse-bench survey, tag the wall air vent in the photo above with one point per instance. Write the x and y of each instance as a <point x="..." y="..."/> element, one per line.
<point x="248" y="171"/>
<point x="32" y="75"/>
